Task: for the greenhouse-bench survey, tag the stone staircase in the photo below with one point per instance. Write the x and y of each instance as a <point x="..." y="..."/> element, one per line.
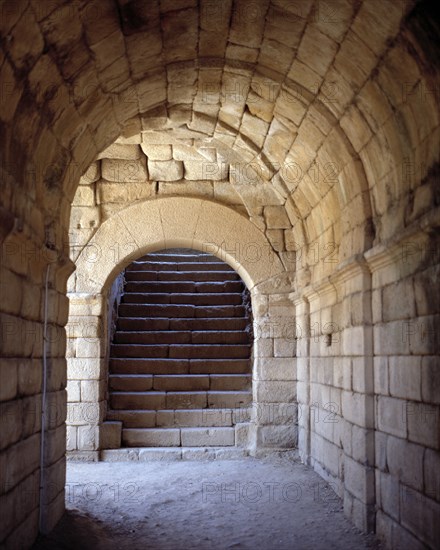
<point x="180" y="372"/>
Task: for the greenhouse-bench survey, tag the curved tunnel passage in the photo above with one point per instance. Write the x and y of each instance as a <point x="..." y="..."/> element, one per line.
<point x="335" y="107"/>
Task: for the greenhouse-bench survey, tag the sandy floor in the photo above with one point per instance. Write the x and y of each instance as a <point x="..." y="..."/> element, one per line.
<point x="249" y="504"/>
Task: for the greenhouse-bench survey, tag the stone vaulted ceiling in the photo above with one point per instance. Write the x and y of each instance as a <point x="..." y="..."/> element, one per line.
<point x="300" y="114"/>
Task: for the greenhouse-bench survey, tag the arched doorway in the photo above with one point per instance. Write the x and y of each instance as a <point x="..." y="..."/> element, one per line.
<point x="203" y="226"/>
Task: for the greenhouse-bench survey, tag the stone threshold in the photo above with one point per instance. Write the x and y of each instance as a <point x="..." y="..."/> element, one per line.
<point x="153" y="454"/>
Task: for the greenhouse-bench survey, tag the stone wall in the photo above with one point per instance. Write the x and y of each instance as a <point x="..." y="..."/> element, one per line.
<point x="324" y="120"/>
<point x="27" y="261"/>
<point x="406" y="317"/>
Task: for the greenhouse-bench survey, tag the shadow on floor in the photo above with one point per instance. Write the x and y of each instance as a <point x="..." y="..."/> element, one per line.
<point x="76" y="530"/>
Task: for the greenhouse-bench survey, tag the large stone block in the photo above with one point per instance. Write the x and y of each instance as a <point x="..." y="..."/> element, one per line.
<point x="171" y="170"/>
<point x="91" y="391"/>
<point x="88" y="347"/>
<point x="359" y="480"/>
<point x="158" y="152"/>
<point x="281" y="437"/>
<point x="327" y="454"/>
<point x="424" y="424"/>
<point x="266" y="414"/>
<point x="110" y="434"/>
<point x="122" y="152"/>
<point x="55" y="444"/>
<point x="275" y="391"/>
<point x="79" y="414"/>
<point x="393" y="306"/>
<point x="362" y="369"/>
<point x="276" y="368"/>
<point x="276" y="217"/>
<point x="92" y="174"/>
<point x="29" y="377"/>
<point x="284" y="347"/>
<point x="85" y="368"/>
<point x="431" y="379"/>
<point x="358" y="409"/>
<point x="11" y="415"/>
<point x="388" y="494"/>
<point x="9" y="377"/>
<point x="242" y="435"/>
<point x="263" y="347"/>
<point x="405" y="461"/>
<point x="73" y="391"/>
<point x="393" y="338"/>
<point x="357" y="341"/>
<point x="124" y="170"/>
<point x="85" y="196"/>
<point x="381" y="383"/>
<point x="167" y="437"/>
<point x="211" y="437"/>
<point x="380" y="450"/>
<point x="194" y="188"/>
<point x="395" y="535"/>
<point x="71" y="438"/>
<point x="405" y="377"/>
<point x="431" y="470"/>
<point x="159" y="454"/>
<point x="362" y="445"/>
<point x="124" y="194"/>
<point x="391" y="416"/>
<point x="420" y="515"/>
<point x="205" y="170"/>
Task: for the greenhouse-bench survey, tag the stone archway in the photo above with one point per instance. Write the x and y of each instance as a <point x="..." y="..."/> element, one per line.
<point x="201" y="225"/>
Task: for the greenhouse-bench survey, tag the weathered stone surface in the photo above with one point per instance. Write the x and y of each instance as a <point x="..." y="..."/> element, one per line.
<point x="165" y="170"/>
<point x="157" y="152"/>
<point x="124" y="171"/>
<point x="276" y="217"/>
<point x="122" y="152"/>
<point x="334" y="107"/>
<point x="92" y="174"/>
<point x="110" y="435"/>
<point x="123" y="193"/>
<point x="205" y="170"/>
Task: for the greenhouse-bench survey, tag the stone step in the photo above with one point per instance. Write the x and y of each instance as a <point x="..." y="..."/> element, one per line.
<point x="179" y="366"/>
<point x="182" y="324"/>
<point x="230" y="382"/>
<point x="229" y="399"/>
<point x="176" y="437"/>
<point x="182" y="337"/>
<point x="196" y="276"/>
<point x="199" y="299"/>
<point x="130" y="382"/>
<point x="152" y="437"/>
<point x="149" y="366"/>
<point x="181" y="351"/>
<point x="164" y="382"/>
<point x="184" y="286"/>
<point x="180" y="372"/>
<point x="172" y="418"/>
<point x="174" y="310"/>
<point x="207" y="437"/>
<point x="155" y="400"/>
<point x="149" y="265"/>
<point x="179" y="382"/>
<point x="178" y="256"/>
<point x="217" y="366"/>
